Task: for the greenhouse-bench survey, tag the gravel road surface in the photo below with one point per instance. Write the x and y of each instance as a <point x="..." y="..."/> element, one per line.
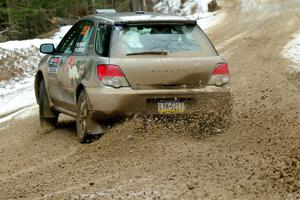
<point x="256" y="157"/>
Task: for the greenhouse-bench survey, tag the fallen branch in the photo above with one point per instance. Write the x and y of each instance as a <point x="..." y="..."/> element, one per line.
<point x="5" y="30"/>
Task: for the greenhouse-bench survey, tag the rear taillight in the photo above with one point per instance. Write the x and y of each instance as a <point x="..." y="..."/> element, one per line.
<point x="112" y="75"/>
<point x="220" y="75"/>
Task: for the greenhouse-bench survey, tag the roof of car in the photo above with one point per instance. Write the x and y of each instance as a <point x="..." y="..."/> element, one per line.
<point x="129" y="18"/>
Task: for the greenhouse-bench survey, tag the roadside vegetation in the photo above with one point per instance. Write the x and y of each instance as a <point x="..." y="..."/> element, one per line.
<point x="31" y="18"/>
<point x="40" y="18"/>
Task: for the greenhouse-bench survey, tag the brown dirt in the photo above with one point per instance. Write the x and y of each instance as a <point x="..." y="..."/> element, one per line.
<point x="256" y="157"/>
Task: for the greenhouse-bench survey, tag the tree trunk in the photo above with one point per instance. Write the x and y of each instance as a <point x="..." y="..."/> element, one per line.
<point x="137" y="5"/>
<point x="113" y="4"/>
<point x="8" y="13"/>
<point x="149" y="5"/>
<point x="91" y="6"/>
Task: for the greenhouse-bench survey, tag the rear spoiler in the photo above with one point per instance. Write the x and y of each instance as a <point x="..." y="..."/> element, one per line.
<point x="105" y="11"/>
<point x="188" y="22"/>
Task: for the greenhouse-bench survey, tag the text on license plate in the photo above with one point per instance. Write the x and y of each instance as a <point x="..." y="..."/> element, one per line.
<point x="171" y="107"/>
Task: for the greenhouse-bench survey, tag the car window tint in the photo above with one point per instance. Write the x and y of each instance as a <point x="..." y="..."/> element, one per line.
<point x="176" y="39"/>
<point x="172" y="38"/>
<point x="103" y="39"/>
<point x="83" y="40"/>
<point x="66" y="46"/>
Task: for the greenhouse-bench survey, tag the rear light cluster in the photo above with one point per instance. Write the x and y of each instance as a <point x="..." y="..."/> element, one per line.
<point x="220" y="75"/>
<point x="111" y="75"/>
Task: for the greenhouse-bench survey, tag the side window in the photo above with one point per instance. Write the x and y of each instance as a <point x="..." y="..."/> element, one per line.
<point x="66" y="46"/>
<point x="82" y="43"/>
<point x="103" y="39"/>
<point x="77" y="39"/>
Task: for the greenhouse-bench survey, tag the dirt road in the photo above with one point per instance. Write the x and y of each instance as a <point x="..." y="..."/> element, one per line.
<point x="257" y="157"/>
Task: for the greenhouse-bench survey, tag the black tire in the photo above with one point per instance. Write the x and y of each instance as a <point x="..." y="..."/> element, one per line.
<point x="82" y="118"/>
<point x="44" y="108"/>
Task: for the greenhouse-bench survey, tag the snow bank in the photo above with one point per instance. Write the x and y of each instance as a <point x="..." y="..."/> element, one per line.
<point x="28" y="44"/>
<point x="194" y="9"/>
<point x="15" y="96"/>
<point x="17" y="93"/>
<point x="209" y="20"/>
<point x="188" y="8"/>
<point x="292" y="52"/>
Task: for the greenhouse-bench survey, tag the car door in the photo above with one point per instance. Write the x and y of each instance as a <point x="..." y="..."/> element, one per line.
<point x="74" y="63"/>
<point x="56" y="63"/>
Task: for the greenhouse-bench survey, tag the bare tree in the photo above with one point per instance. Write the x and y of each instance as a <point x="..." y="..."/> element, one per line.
<point x="113" y="3"/>
<point x="7" y="6"/>
<point x="148" y="5"/>
<point x="138" y="5"/>
<point x="91" y="6"/>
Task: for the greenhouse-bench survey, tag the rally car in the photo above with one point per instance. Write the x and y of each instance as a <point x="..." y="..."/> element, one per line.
<point x="112" y="64"/>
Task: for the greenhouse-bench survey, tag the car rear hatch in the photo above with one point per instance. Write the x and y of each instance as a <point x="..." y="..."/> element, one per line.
<point x="163" y="56"/>
<point x="167" y="73"/>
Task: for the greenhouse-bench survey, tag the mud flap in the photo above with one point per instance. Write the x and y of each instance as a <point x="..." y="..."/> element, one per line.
<point x="48" y="111"/>
<point x="44" y="99"/>
<point x="94" y="127"/>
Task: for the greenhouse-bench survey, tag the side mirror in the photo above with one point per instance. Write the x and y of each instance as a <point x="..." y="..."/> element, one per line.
<point x="47" y="48"/>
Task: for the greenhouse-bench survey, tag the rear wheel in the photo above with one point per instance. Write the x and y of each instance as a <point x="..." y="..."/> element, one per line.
<point x="48" y="116"/>
<point x="82" y="118"/>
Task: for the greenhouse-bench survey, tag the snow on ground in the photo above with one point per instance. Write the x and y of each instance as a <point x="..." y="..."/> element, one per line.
<point x="28" y="44"/>
<point x="194" y="9"/>
<point x="292" y="52"/>
<point x="209" y="20"/>
<point x="17" y="94"/>
<point x="188" y="8"/>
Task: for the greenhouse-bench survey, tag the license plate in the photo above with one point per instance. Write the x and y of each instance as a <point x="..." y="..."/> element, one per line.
<point x="172" y="107"/>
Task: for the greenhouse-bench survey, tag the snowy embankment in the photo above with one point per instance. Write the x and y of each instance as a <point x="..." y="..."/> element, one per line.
<point x="292" y="52"/>
<point x="17" y="94"/>
<point x="194" y="9"/>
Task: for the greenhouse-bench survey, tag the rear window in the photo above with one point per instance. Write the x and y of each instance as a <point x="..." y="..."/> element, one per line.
<point x="174" y="39"/>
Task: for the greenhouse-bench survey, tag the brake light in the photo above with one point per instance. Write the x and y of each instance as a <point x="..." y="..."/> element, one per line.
<point x="109" y="71"/>
<point x="220" y="75"/>
<point x="221" y="69"/>
<point x="111" y="75"/>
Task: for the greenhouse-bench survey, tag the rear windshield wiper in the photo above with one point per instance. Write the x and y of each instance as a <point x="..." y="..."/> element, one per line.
<point x="162" y="52"/>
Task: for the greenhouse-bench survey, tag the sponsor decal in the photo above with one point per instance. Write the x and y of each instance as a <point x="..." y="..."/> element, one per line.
<point x="85" y="30"/>
<point x="81" y="69"/>
<point x="73" y="71"/>
<point x="80" y="47"/>
<point x="53" y="63"/>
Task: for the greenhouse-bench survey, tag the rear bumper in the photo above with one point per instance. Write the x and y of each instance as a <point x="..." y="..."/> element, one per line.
<point x="107" y="102"/>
